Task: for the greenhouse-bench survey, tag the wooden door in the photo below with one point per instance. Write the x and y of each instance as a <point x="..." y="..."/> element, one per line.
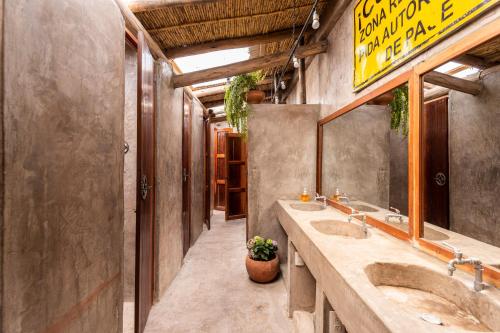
<point x="236" y="177"/>
<point x="207" y="170"/>
<point x="145" y="185"/>
<point x="220" y="168"/>
<point x="435" y="157"/>
<point x="186" y="172"/>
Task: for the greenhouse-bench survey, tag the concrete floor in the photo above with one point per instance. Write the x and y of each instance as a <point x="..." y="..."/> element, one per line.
<point x="212" y="292"/>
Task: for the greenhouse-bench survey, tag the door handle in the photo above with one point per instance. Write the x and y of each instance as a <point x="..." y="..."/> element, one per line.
<point x="440" y="179"/>
<point x="144" y="187"/>
<point x="185" y="174"/>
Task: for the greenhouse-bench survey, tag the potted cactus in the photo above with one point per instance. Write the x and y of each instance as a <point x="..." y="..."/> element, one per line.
<point x="262" y="261"/>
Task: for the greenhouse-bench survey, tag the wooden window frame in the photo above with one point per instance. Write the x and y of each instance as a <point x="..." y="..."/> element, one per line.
<point x="414" y="77"/>
<point x="482" y="35"/>
<point x="394" y="83"/>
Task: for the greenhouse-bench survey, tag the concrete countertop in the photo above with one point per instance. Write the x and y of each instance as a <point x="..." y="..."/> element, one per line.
<point x="338" y="264"/>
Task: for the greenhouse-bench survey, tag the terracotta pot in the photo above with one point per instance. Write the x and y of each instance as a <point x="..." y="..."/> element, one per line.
<point x="255" y="96"/>
<point x="263" y="271"/>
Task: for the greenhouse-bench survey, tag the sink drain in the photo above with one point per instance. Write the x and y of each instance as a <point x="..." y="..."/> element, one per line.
<point x="430" y="318"/>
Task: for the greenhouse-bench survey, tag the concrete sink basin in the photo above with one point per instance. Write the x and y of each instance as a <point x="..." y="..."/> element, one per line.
<point x="308" y="207"/>
<point x="339" y="228"/>
<point x="363" y="208"/>
<point x="435" y="298"/>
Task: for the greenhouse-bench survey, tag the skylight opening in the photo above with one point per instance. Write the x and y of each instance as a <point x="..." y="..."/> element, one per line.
<point x="210" y="60"/>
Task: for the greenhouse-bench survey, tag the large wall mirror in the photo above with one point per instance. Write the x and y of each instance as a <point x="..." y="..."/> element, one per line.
<point x="364" y="157"/>
<point x="460" y="155"/>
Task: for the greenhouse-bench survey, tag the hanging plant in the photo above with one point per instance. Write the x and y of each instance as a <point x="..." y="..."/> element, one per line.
<point x="235" y="104"/>
<point x="400" y="110"/>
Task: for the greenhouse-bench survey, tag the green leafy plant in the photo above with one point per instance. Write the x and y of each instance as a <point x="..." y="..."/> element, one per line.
<point x="235" y="105"/>
<point x="399" y="110"/>
<point x="261" y="249"/>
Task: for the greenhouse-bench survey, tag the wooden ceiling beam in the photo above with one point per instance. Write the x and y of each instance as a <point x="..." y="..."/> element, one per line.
<point x="219" y="96"/>
<point x="474" y="61"/>
<point x="221" y="88"/>
<point x="453" y="83"/>
<point x="137" y="6"/>
<point x="247" y="66"/>
<point x="231" y="43"/>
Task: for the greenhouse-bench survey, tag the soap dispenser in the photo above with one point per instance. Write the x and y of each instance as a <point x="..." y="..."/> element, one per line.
<point x="336" y="196"/>
<point x="305" y="197"/>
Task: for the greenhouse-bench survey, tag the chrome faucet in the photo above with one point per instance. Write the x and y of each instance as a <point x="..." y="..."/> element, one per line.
<point x="355" y="213"/>
<point x="344" y="198"/>
<point x="458" y="260"/>
<point x="320" y="197"/>
<point x="396" y="214"/>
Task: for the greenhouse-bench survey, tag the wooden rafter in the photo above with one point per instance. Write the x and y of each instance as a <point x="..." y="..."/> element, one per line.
<point x="247" y="66"/>
<point x="453" y="83"/>
<point x="220" y="88"/>
<point x="474" y="61"/>
<point x="231" y="43"/>
<point x="220" y="95"/>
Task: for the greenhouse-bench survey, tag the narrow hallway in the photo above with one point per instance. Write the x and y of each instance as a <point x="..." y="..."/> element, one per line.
<point x="212" y="292"/>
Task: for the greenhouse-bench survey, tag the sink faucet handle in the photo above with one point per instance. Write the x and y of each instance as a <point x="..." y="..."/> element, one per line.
<point x="395" y="210"/>
<point x="456" y="251"/>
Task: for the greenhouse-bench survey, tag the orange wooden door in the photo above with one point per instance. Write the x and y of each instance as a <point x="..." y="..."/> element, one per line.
<point x="145" y="185"/>
<point x="236" y="177"/>
<point x="220" y="168"/>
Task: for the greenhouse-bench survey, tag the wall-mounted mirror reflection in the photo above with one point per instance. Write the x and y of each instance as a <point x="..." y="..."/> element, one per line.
<point x="461" y="153"/>
<point x="365" y="158"/>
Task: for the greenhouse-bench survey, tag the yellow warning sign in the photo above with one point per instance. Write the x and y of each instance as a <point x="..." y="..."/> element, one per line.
<point x="388" y="33"/>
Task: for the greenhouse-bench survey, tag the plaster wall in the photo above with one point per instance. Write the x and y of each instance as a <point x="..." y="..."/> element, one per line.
<point x="474" y="161"/>
<point x="356" y="155"/>
<point x="168" y="260"/>
<point x="130" y="173"/>
<point x="329" y="78"/>
<point x="281" y="161"/>
<point x="197" y="170"/>
<point x="63" y="154"/>
<point x="398" y="174"/>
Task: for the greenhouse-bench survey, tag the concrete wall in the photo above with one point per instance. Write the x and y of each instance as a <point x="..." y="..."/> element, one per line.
<point x="474" y="161"/>
<point x="197" y="171"/>
<point x="329" y="78"/>
<point x="63" y="153"/>
<point x="168" y="179"/>
<point x="356" y="154"/>
<point x="130" y="173"/>
<point x="398" y="172"/>
<point x="281" y="161"/>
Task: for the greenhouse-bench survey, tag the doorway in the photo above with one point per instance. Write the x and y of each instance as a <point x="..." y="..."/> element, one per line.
<point x="436" y="164"/>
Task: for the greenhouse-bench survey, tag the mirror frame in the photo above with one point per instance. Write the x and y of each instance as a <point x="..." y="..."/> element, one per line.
<point x="394" y="83"/>
<point x="414" y="77"/>
<point x="482" y="35"/>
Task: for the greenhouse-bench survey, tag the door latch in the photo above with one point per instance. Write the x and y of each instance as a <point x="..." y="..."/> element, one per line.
<point x="184" y="174"/>
<point x="144" y="187"/>
<point x="440" y="179"/>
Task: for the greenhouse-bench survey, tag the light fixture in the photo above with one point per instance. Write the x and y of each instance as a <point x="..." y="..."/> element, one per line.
<point x="295" y="62"/>
<point x="315" y="23"/>
<point x="283" y="85"/>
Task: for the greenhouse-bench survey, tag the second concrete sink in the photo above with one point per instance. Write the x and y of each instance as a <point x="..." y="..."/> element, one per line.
<point x="363" y="208"/>
<point x="339" y="228"/>
<point x="308" y="207"/>
<point x="434" y="297"/>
